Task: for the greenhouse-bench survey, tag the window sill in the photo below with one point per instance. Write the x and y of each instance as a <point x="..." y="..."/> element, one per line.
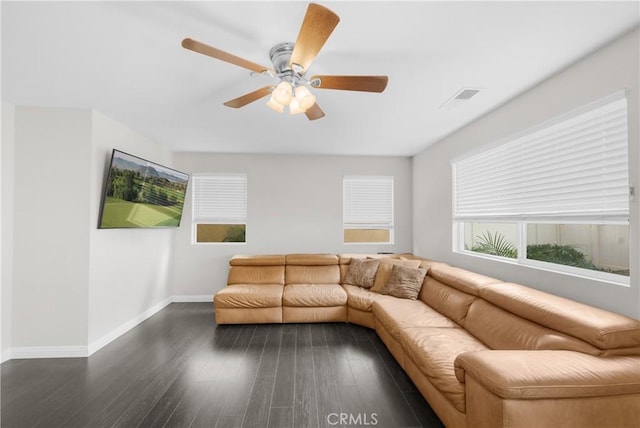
<point x="218" y="243"/>
<point x="368" y="243"/>
<point x="603" y="277"/>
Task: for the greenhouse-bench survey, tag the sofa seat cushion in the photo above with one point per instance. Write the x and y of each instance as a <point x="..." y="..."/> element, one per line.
<point x="361" y="298"/>
<point x="433" y="350"/>
<point x="249" y="296"/>
<point x="396" y="314"/>
<point x="314" y="295"/>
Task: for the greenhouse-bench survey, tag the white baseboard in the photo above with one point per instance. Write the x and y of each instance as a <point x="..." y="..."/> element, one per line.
<point x="48" y="352"/>
<point x="123" y="328"/>
<point x="85" y="351"/>
<point x="208" y="298"/>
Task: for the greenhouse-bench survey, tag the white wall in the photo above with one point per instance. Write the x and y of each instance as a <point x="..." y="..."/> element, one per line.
<point x="129" y="268"/>
<point x="68" y="288"/>
<point x="608" y="70"/>
<point x="6" y="225"/>
<point x="51" y="234"/>
<point x="294" y="205"/>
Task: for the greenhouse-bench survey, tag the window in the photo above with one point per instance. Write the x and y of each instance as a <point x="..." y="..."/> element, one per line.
<point x="368" y="209"/>
<point x="219" y="208"/>
<point x="555" y="197"/>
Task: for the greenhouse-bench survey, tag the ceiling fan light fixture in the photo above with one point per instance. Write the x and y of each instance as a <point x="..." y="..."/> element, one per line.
<point x="295" y="107"/>
<point x="283" y="93"/>
<point x="304" y="97"/>
<point x="275" y="105"/>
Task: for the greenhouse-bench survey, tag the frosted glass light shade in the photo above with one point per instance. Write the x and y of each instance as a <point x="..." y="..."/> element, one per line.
<point x="294" y="107"/>
<point x="282" y="93"/>
<point x="304" y="97"/>
<point x="273" y="104"/>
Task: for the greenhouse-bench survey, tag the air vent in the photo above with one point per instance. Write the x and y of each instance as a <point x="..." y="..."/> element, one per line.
<point x="465" y="94"/>
<point x="461" y="96"/>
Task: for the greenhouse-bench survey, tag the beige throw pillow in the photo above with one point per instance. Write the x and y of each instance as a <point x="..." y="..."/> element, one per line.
<point x="384" y="270"/>
<point x="361" y="272"/>
<point x="404" y="282"/>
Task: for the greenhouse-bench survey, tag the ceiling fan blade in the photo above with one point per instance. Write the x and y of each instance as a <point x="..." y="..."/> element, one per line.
<point x="250" y="97"/>
<point x="203" y="49"/>
<point x="314" y="112"/>
<point x="317" y="26"/>
<point x="351" y="83"/>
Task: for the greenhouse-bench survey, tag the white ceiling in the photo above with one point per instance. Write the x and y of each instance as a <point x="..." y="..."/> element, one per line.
<point x="125" y="60"/>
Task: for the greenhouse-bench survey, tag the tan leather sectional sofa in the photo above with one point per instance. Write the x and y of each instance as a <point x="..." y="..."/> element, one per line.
<point x="483" y="352"/>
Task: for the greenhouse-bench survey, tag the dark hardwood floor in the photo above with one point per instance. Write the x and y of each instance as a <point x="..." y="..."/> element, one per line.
<point x="178" y="369"/>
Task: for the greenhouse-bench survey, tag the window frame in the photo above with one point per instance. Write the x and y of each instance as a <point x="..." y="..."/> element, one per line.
<point x="387" y="224"/>
<point x="522" y="260"/>
<point x="197" y="219"/>
<point x="522" y="220"/>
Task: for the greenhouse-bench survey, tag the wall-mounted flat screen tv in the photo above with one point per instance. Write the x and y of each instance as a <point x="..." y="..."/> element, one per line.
<point x="141" y="194"/>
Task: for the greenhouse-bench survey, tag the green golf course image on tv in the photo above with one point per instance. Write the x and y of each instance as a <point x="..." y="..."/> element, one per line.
<point x="141" y="194"/>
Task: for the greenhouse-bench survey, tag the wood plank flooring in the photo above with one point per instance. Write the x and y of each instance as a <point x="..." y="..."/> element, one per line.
<point x="178" y="369"/>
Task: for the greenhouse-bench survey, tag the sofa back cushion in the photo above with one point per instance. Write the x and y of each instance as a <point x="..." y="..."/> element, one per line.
<point x="311" y="259"/>
<point x="345" y="258"/>
<point x="499" y="329"/>
<point x="449" y="301"/>
<point x="463" y="280"/>
<point x="614" y="333"/>
<point x="312" y="274"/>
<point x="256" y="275"/>
<point x="312" y="269"/>
<point x="257" y="260"/>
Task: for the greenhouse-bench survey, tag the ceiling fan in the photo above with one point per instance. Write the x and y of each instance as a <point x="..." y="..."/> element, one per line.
<point x="290" y="63"/>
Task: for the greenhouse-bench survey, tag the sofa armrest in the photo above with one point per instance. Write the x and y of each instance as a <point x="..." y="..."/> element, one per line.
<point x="549" y="374"/>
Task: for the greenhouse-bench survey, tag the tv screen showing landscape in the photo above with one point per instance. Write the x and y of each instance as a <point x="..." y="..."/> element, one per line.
<point x="142" y="194"/>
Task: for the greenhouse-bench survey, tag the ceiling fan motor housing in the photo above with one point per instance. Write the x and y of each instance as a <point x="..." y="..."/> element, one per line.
<point x="280" y="56"/>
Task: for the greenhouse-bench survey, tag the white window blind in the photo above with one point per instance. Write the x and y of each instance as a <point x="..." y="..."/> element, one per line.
<point x="220" y="199"/>
<point x="367" y="202"/>
<point x="573" y="169"/>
